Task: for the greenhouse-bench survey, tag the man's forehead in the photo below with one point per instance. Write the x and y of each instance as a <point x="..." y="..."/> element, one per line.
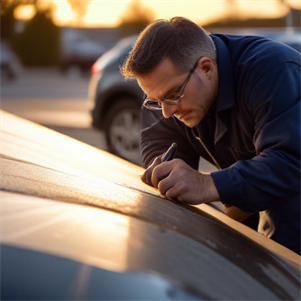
<point x="161" y="80"/>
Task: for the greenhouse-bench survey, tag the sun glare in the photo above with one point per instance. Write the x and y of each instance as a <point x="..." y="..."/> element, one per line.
<point x="105" y="13"/>
<point x="63" y="15"/>
<point x="198" y="11"/>
<point x="294" y="3"/>
<point x="256" y="9"/>
<point x="24" y="12"/>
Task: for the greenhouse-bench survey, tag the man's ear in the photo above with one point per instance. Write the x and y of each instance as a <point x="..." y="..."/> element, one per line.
<point x="207" y="66"/>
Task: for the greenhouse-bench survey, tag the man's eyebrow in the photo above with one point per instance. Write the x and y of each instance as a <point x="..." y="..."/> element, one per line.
<point x="169" y="92"/>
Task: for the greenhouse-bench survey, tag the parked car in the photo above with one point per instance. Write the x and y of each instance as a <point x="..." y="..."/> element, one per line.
<point x="11" y="67"/>
<point x="116" y="103"/>
<point x="78" y="53"/>
<point x="77" y="223"/>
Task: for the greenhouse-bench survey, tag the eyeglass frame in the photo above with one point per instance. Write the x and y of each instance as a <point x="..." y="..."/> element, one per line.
<point x="180" y="91"/>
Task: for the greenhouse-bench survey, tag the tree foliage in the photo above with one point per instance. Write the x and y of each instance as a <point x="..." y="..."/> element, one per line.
<point x="80" y="7"/>
<point x="38" y="42"/>
<point x="135" y="17"/>
<point x="7" y="22"/>
<point x="12" y="4"/>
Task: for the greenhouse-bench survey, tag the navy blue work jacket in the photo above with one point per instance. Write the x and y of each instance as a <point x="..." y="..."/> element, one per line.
<point x="252" y="131"/>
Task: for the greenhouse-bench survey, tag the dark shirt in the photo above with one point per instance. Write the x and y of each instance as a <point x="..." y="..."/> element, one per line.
<point x="252" y="131"/>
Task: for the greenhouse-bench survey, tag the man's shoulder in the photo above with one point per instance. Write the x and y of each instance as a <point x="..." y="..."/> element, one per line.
<point x="248" y="49"/>
<point x="253" y="57"/>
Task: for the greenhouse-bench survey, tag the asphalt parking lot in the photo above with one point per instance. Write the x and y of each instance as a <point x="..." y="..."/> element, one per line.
<point x="47" y="97"/>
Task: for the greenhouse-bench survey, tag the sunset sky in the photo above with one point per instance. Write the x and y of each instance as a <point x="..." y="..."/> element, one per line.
<point x="107" y="12"/>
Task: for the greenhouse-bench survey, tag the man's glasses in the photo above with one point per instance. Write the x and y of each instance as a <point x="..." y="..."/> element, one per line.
<point x="173" y="98"/>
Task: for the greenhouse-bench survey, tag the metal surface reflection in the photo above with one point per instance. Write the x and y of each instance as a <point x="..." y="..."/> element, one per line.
<point x="95" y="237"/>
<point x="66" y="203"/>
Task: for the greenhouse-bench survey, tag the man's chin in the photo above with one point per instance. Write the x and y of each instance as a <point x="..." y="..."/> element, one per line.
<point x="189" y="119"/>
<point x="190" y="122"/>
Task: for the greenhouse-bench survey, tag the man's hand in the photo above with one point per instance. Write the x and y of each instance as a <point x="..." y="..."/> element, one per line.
<point x="147" y="175"/>
<point x="177" y="180"/>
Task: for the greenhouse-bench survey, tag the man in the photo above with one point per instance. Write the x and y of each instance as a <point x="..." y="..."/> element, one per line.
<point x="233" y="100"/>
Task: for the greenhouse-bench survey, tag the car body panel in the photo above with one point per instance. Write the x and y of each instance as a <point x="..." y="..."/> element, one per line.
<point x="111" y="92"/>
<point x="70" y="200"/>
<point x="115" y="102"/>
<point x="57" y="278"/>
<point x="106" y="83"/>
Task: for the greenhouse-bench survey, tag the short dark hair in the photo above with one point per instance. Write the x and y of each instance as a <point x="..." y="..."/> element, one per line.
<point x="180" y="39"/>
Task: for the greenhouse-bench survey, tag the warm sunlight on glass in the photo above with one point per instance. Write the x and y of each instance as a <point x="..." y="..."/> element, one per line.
<point x="24" y="12"/>
<point x="110" y="233"/>
<point x="96" y="237"/>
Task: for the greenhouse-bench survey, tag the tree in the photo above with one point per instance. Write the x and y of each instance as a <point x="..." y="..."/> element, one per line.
<point x="39" y="43"/>
<point x="80" y="7"/>
<point x="8" y="4"/>
<point x="7" y="21"/>
<point x="135" y="17"/>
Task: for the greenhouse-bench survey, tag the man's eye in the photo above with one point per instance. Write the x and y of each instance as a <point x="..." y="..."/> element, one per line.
<point x="172" y="96"/>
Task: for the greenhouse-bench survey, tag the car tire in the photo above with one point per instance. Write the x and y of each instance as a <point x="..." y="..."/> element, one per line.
<point x="122" y="130"/>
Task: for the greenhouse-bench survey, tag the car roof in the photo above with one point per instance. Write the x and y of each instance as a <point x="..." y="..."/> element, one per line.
<point x="119" y="51"/>
<point x="63" y="198"/>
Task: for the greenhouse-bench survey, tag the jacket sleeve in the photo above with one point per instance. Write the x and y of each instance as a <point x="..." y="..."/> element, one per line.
<point x="273" y="175"/>
<point x="158" y="133"/>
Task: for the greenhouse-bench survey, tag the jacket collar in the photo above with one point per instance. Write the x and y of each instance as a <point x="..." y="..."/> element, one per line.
<point x="225" y="98"/>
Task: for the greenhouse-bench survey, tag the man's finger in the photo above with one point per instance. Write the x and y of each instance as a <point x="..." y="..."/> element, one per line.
<point x="147" y="175"/>
<point x="154" y="180"/>
<point x="160" y="172"/>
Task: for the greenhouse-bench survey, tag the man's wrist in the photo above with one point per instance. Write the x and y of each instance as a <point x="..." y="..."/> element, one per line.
<point x="212" y="194"/>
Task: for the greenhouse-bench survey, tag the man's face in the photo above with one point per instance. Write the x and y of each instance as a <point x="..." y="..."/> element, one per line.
<point x="198" y="95"/>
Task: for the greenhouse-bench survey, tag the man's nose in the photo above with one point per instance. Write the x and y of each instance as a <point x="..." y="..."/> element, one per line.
<point x="168" y="110"/>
